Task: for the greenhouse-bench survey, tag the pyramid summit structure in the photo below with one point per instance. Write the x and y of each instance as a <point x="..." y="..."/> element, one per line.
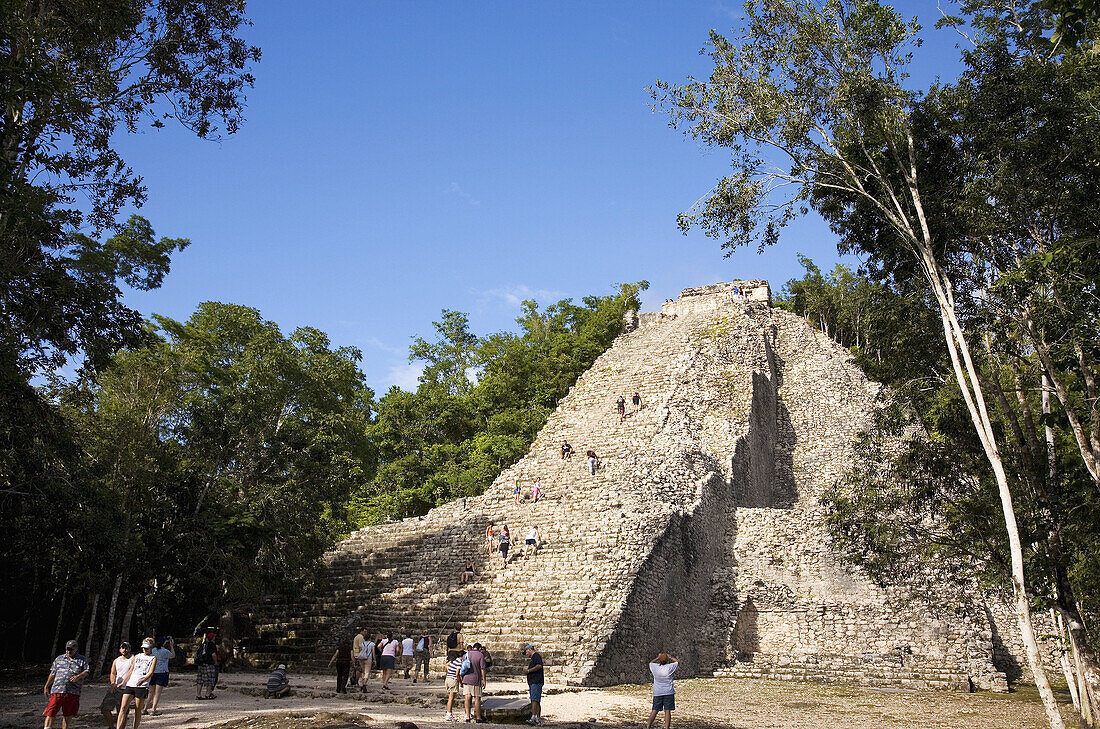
<point x="702" y="533"/>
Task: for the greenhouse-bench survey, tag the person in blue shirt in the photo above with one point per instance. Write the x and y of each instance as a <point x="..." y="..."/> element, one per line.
<point x="164" y="652"/>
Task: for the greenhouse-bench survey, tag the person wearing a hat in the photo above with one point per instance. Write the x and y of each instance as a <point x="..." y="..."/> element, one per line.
<point x="277" y="683"/>
<point x="120" y="668"/>
<point x="535" y="680"/>
<point x="67" y="674"/>
<point x="135" y="688"/>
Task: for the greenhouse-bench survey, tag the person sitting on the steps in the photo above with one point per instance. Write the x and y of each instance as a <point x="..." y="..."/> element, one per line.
<point x="278" y="685"/>
<point x="468" y="571"/>
<point x="566" y="450"/>
<point x="593" y="461"/>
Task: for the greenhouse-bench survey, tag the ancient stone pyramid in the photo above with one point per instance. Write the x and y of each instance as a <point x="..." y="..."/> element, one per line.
<point x="702" y="535"/>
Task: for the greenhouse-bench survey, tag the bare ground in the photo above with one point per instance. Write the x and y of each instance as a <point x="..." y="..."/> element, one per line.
<point x="704" y="703"/>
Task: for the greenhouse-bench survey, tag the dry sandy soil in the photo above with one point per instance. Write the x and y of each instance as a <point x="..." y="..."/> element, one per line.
<point x="706" y="703"/>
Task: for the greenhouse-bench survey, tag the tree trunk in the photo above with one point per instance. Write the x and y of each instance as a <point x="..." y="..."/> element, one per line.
<point x="108" y="633"/>
<point x="60" y="619"/>
<point x="129" y="617"/>
<point x="91" y="626"/>
<point x="970" y="387"/>
<point x="1063" y="658"/>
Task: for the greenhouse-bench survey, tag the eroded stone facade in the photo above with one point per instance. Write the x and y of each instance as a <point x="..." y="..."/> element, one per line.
<point x="702" y="535"/>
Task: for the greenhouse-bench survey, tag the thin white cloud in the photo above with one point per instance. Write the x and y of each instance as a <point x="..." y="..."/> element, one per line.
<point x="406" y="376"/>
<point x="514" y="295"/>
<point x="455" y="189"/>
<point x="379" y="344"/>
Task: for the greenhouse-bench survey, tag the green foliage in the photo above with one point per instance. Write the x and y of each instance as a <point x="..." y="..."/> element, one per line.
<point x="455" y="434"/>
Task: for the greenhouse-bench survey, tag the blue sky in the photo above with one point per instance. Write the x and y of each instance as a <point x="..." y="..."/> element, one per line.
<point x="400" y="158"/>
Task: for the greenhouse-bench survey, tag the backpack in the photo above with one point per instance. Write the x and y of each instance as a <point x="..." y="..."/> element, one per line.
<point x="203" y="655"/>
<point x="452" y="640"/>
<point x="422" y="645"/>
<point x="465" y="668"/>
<point x="488" y="659"/>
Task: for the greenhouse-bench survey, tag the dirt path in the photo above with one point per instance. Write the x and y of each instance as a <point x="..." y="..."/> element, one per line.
<point x="731" y="703"/>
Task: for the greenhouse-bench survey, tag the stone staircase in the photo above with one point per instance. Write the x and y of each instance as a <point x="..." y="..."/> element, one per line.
<point x="705" y="513"/>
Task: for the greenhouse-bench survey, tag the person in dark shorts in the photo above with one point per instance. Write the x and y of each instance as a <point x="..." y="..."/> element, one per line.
<point x="664" y="694"/>
<point x="505" y="542"/>
<point x="135" y="689"/>
<point x="164" y="652"/>
<point x="620" y="404"/>
<point x="637" y="402"/>
<point x="566" y="450"/>
<point x="468" y="571"/>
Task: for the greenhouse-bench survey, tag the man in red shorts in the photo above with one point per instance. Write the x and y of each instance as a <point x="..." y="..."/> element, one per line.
<point x="63" y="685"/>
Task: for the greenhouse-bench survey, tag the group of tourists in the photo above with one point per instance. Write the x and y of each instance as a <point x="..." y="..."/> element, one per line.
<point x="620" y="405"/>
<point x="359" y="658"/>
<point x="536" y="490"/>
<point x="502" y="542"/>
<point x="134" y="678"/>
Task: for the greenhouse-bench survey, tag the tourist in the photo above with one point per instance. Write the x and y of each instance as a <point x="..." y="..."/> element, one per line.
<point x="468" y="571"/>
<point x="206" y="673"/>
<point x="278" y="685"/>
<point x="490" y="540"/>
<point x="531" y="544"/>
<point x="67" y="674"/>
<point x="664" y="695"/>
<point x="422" y="654"/>
<point x="473" y="682"/>
<point x="342" y="659"/>
<point x="357" y="642"/>
<point x="453" y="664"/>
<point x="365" y="659"/>
<point x="485" y="652"/>
<point x="620" y="404"/>
<point x="505" y="542"/>
<point x="135" y="689"/>
<point x="593" y="461"/>
<point x="637" y="401"/>
<point x="390" y="647"/>
<point x="566" y="450"/>
<point x="407" y="648"/>
<point x="536" y="491"/>
<point x="535" y="681"/>
<point x="454" y="640"/>
<point x="120" y="669"/>
<point x="164" y="652"/>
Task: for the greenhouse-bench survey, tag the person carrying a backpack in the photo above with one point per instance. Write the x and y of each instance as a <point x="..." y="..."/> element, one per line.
<point x="454" y="665"/>
<point x="453" y="650"/>
<point x="422" y="653"/>
<point x="206" y="664"/>
<point x="472" y="674"/>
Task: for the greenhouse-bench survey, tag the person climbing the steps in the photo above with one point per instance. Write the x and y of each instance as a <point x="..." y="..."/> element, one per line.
<point x="593" y="461"/>
<point x="536" y="490"/>
<point x="531" y="544"/>
<point x="566" y="450"/>
<point x="468" y="571"/>
<point x="505" y="542"/>
<point x="620" y="404"/>
<point x="490" y="540"/>
<point x="454" y="640"/>
<point x="518" y="491"/>
<point x="637" y="402"/>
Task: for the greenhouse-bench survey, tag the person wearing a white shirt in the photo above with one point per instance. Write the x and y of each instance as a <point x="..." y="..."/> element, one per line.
<point x="664" y="695"/>
<point x="136" y="686"/>
<point x="407" y="649"/>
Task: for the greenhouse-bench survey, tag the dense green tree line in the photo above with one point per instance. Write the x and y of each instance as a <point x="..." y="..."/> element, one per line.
<point x="481" y="401"/>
